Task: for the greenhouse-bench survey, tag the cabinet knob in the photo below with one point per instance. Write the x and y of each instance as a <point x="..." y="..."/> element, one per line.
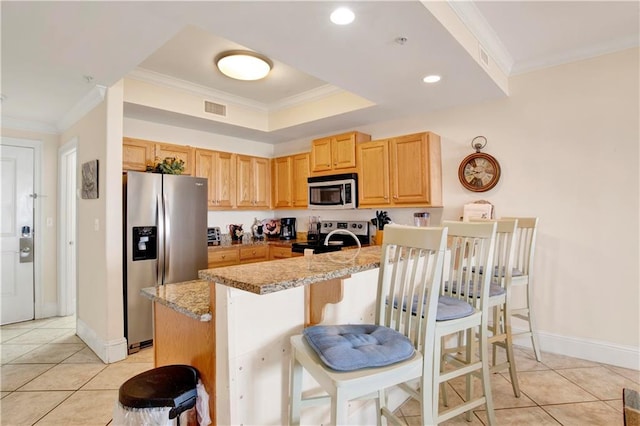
<point x="223" y="256"/>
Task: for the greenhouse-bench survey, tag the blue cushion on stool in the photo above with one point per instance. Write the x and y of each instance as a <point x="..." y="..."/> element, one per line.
<point x="354" y="346"/>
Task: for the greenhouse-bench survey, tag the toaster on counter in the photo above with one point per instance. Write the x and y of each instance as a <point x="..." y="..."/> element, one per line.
<point x="213" y="236"/>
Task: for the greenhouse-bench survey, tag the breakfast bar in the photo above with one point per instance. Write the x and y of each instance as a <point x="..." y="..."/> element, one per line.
<point x="234" y="326"/>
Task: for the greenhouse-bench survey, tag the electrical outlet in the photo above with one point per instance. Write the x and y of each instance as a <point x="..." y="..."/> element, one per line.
<point x="49" y="222"/>
<point x="96" y="224"/>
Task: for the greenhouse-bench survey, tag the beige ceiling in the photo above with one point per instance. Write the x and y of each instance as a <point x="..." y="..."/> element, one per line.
<point x="49" y="47"/>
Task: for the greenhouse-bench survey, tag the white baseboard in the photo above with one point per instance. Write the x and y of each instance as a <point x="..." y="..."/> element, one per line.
<point x="108" y="351"/>
<point x="592" y="350"/>
<point x="47" y="310"/>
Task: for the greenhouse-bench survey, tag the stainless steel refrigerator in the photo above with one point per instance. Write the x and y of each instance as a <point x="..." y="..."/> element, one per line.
<point x="165" y="241"/>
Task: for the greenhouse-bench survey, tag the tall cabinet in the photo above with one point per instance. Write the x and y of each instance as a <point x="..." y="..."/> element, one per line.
<point x="403" y="171"/>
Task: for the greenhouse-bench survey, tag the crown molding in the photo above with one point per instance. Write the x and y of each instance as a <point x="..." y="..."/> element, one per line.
<point x="28" y="125"/>
<point x="575" y="55"/>
<point x="471" y="17"/>
<point x="80" y="109"/>
<point x="224" y="97"/>
<point x="194" y="89"/>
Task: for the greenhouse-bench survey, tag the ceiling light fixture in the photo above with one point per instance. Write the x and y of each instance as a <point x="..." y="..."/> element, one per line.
<point x="431" y="79"/>
<point x="243" y="65"/>
<point x="342" y="16"/>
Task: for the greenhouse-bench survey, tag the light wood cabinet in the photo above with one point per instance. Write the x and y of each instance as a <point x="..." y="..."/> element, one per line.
<point x="138" y="154"/>
<point x="223" y="257"/>
<point x="253" y="182"/>
<point x="335" y="154"/>
<point x="403" y="171"/>
<point x="290" y="175"/>
<point x="279" y="252"/>
<point x="282" y="182"/>
<point x="220" y="169"/>
<point x="254" y="253"/>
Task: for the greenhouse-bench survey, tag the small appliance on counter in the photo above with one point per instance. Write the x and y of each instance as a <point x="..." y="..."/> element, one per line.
<point x="213" y="236"/>
<point x="313" y="231"/>
<point x="288" y="228"/>
<point x="338" y="241"/>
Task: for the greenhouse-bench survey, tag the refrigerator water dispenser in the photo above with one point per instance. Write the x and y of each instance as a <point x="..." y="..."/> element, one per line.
<point x="145" y="243"/>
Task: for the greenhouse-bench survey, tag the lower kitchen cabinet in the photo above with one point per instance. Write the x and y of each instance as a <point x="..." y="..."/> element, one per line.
<point x="277" y="252"/>
<point x="254" y="253"/>
<point x="223" y="257"/>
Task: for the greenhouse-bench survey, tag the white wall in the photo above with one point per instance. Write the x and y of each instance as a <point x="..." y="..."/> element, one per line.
<point x="100" y="320"/>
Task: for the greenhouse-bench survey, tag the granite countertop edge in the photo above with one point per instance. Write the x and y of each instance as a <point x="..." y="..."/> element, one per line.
<point x="190" y="298"/>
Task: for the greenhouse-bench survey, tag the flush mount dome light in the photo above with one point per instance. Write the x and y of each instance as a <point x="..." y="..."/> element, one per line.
<point x="431" y="78"/>
<point x="243" y="65"/>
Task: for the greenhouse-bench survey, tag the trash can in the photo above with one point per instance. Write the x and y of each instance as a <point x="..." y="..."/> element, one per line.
<point x="159" y="397"/>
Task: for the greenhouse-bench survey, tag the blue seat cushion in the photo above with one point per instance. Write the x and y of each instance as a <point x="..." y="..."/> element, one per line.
<point x="351" y="347"/>
<point x="448" y="308"/>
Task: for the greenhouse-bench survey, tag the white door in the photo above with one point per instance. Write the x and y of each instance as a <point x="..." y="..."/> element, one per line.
<point x="16" y="233"/>
<point x="67" y="209"/>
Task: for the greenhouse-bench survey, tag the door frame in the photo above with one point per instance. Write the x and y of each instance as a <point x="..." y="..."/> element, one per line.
<point x="65" y="291"/>
<point x="38" y="223"/>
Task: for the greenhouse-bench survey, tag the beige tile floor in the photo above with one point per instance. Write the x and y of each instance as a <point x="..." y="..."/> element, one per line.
<point x="50" y="377"/>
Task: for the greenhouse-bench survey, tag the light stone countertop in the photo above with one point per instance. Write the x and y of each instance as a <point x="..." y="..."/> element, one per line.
<point x="283" y="274"/>
<point x="192" y="297"/>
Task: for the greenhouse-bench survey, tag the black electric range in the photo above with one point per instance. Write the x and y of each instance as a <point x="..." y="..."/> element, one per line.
<point x="338" y="240"/>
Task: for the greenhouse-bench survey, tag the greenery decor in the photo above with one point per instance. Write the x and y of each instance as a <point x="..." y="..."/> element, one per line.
<point x="169" y="166"/>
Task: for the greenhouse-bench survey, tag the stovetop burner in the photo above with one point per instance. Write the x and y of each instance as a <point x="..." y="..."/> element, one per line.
<point x="338" y="241"/>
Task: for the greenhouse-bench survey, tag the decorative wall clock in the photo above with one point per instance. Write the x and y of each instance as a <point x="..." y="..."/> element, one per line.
<point x="479" y="172"/>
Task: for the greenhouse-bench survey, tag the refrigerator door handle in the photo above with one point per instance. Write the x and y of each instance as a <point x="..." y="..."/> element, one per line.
<point x="161" y="239"/>
<point x="167" y="237"/>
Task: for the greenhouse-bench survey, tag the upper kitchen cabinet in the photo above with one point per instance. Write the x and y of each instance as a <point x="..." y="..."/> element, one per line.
<point x="138" y="154"/>
<point x="253" y="181"/>
<point x="403" y="171"/>
<point x="300" y="175"/>
<point x="282" y="182"/>
<point x="180" y="152"/>
<point x="290" y="175"/>
<point x="335" y="154"/>
<point x="220" y="169"/>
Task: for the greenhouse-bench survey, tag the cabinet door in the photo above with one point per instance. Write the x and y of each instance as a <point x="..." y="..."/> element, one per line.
<point x="223" y="257"/>
<point x="373" y="173"/>
<point x="205" y="167"/>
<point x="255" y="253"/>
<point x="137" y="154"/>
<point x="243" y="181"/>
<point x="299" y="180"/>
<point x="261" y="182"/>
<point x="321" y="155"/>
<point x="343" y="151"/>
<point x="224" y="183"/>
<point x="410" y="169"/>
<point x="282" y="182"/>
<point x="276" y="252"/>
<point x="184" y="153"/>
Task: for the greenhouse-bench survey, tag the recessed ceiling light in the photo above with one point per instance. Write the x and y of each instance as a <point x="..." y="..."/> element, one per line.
<point x="243" y="65"/>
<point x="342" y="16"/>
<point x="431" y="79"/>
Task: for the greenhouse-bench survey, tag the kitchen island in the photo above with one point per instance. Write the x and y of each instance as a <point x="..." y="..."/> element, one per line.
<point x="241" y="345"/>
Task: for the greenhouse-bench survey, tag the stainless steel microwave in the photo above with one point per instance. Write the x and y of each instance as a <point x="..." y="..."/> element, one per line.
<point x="334" y="191"/>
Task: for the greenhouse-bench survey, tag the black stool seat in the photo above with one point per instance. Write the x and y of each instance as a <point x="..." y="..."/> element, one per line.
<point x="169" y="386"/>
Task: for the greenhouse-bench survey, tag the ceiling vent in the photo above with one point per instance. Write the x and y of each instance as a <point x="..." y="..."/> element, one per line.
<point x="214" y="108"/>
